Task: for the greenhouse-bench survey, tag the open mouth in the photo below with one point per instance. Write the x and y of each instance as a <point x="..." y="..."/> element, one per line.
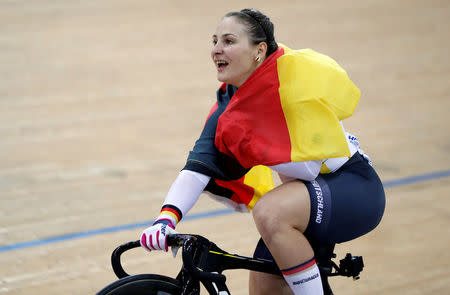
<point x="221" y="64"/>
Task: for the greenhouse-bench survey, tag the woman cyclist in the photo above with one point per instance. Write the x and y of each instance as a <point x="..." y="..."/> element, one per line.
<point x="278" y="110"/>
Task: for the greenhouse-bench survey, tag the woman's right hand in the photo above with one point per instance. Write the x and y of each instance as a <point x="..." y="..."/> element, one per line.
<point x="155" y="237"/>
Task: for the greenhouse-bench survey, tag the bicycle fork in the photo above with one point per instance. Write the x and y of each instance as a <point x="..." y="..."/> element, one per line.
<point x="216" y="288"/>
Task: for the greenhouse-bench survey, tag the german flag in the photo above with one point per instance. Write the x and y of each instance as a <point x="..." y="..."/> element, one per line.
<point x="243" y="193"/>
<point x="288" y="110"/>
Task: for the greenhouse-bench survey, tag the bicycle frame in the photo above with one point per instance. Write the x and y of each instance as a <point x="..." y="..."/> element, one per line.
<point x="204" y="262"/>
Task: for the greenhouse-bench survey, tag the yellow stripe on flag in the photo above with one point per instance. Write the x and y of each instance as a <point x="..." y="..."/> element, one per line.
<point x="261" y="180"/>
<point x="315" y="94"/>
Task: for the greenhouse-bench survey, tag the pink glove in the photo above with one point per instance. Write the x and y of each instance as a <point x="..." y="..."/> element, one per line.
<point x="155" y="237"/>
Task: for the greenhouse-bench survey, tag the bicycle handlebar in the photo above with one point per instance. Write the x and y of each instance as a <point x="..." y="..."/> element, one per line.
<point x="188" y="242"/>
<point x="188" y="252"/>
<point x="115" y="258"/>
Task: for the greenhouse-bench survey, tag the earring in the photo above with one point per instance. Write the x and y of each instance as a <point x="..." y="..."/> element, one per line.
<point x="257" y="59"/>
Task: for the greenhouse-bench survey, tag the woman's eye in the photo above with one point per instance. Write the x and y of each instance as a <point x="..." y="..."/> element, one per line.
<point x="214" y="42"/>
<point x="229" y="41"/>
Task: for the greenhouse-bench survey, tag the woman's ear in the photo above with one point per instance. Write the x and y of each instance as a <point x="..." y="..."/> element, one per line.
<point x="262" y="49"/>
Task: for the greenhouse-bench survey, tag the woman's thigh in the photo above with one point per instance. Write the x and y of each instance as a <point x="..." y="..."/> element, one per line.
<point x="287" y="204"/>
<point x="341" y="207"/>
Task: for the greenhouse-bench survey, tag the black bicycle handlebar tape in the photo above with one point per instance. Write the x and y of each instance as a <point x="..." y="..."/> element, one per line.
<point x="176" y="240"/>
<point x="188" y="249"/>
<point x="115" y="257"/>
<point x="187" y="241"/>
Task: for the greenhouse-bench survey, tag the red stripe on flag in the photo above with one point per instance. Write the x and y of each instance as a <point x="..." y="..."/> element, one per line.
<point x="223" y="87"/>
<point x="253" y="128"/>
<point x="243" y="193"/>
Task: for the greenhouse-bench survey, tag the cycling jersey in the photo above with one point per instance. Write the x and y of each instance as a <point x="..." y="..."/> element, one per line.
<point x="263" y="124"/>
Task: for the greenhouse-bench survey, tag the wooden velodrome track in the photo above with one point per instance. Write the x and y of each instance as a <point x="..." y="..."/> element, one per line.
<point x="100" y="102"/>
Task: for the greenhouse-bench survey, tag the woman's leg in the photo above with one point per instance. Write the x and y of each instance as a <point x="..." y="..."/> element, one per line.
<point x="281" y="217"/>
<point x="267" y="284"/>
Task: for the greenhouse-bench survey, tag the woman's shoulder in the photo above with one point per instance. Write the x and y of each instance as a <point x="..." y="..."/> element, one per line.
<point x="310" y="56"/>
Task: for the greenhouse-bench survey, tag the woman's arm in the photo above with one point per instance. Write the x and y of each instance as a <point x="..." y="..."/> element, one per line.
<point x="183" y="194"/>
<point x="181" y="197"/>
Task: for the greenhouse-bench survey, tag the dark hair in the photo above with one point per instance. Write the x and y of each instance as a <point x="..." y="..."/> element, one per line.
<point x="259" y="27"/>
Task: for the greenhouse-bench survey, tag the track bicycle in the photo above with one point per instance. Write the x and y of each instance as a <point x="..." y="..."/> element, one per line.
<point x="204" y="262"/>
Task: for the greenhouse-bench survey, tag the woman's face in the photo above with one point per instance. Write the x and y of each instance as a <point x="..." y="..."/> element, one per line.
<point x="233" y="53"/>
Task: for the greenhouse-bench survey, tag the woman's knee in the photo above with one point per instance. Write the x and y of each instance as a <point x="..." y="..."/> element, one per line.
<point x="266" y="216"/>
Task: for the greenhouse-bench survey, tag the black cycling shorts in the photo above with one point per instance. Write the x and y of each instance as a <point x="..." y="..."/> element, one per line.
<point x="345" y="205"/>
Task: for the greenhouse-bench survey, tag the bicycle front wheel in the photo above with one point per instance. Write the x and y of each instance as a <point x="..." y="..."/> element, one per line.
<point x="143" y="284"/>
